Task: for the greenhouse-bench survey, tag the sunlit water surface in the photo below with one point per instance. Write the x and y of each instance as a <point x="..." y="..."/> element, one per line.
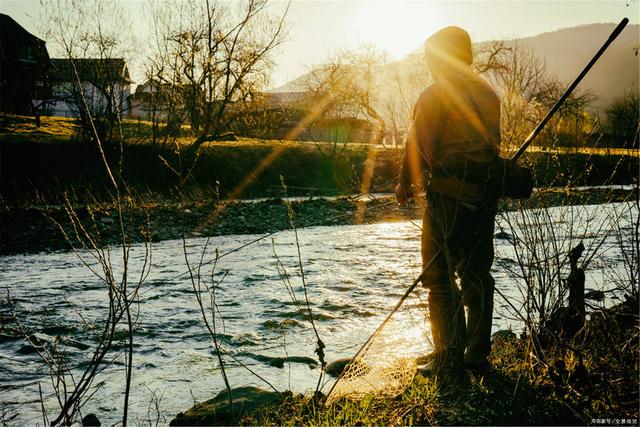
<point x="354" y="274"/>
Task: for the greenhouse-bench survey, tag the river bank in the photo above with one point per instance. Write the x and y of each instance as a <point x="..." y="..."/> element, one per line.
<point x="39" y="228"/>
<point x="592" y="381"/>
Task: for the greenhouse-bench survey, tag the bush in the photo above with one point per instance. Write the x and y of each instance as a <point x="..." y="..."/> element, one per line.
<point x="622" y="120"/>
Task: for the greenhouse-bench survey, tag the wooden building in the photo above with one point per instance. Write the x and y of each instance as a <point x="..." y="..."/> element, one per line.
<point x="24" y="70"/>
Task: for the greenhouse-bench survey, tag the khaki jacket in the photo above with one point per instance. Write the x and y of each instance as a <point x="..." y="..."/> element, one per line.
<point x="456" y="121"/>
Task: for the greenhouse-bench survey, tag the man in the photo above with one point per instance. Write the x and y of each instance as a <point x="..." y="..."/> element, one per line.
<point x="454" y="137"/>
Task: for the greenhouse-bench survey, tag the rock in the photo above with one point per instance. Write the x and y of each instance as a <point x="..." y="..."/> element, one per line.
<point x="91" y="420"/>
<point x="227" y="136"/>
<point x="425" y="370"/>
<point x="13" y="336"/>
<point x="278" y="362"/>
<point x="312" y="363"/>
<point x="503" y="236"/>
<point x="74" y="343"/>
<point x="594" y="295"/>
<point x="425" y="364"/>
<point x="336" y="367"/>
<point x="218" y="411"/>
<point x="427" y="358"/>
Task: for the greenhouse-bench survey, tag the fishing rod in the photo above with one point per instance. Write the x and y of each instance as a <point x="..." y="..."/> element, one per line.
<point x="616" y="32"/>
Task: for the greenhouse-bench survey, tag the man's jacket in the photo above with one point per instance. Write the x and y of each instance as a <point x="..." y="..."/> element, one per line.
<point x="455" y="132"/>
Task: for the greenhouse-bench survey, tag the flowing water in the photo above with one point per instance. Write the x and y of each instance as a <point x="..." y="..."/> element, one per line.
<point x="354" y="275"/>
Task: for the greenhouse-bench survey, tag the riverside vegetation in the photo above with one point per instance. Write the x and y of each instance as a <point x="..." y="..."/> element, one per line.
<point x="99" y="184"/>
<point x="44" y="168"/>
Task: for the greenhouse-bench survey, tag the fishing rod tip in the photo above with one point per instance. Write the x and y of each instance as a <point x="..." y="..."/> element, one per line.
<point x="619" y="28"/>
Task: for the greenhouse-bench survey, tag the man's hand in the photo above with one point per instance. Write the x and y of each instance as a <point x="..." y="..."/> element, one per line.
<point x="402" y="195"/>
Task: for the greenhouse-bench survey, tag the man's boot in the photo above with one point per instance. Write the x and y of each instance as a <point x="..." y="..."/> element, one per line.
<point x="448" y="329"/>
<point x="479" y="339"/>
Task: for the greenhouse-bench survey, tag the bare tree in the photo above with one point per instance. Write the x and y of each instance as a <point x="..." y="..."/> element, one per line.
<point x="122" y="291"/>
<point x="349" y="87"/>
<point x="405" y="81"/>
<point x="93" y="40"/>
<point x="526" y="91"/>
<point x="89" y="30"/>
<point x="216" y="55"/>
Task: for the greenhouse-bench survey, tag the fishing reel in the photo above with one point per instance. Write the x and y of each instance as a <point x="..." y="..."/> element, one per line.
<point x="509" y="180"/>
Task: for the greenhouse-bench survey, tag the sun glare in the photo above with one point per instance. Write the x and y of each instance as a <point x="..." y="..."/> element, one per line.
<point x="397" y="28"/>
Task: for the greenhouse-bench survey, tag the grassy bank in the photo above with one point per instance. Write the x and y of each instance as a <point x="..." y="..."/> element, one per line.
<point x="596" y="383"/>
<point x="40" y="165"/>
<point x="33" y="173"/>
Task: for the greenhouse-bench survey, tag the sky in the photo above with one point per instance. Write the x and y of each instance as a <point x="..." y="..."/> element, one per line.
<point x="319" y="29"/>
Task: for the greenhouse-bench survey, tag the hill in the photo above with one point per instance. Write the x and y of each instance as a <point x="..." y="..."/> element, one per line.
<point x="565" y="52"/>
<point x="568" y="50"/>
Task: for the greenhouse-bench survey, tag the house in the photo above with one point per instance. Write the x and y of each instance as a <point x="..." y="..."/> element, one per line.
<point x="24" y="69"/>
<point x="105" y="82"/>
<point x="153" y="100"/>
<point x="294" y="114"/>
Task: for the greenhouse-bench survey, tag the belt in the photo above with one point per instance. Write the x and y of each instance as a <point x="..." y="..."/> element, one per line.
<point x="477" y="173"/>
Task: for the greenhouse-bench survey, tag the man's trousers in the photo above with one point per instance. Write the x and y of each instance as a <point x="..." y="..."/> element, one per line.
<point x="457" y="246"/>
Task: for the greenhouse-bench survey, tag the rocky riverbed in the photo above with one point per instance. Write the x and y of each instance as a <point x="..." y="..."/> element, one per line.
<point x="39" y="229"/>
<point x="50" y="228"/>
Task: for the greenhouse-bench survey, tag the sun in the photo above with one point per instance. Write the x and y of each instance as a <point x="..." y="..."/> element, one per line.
<point x="396" y="27"/>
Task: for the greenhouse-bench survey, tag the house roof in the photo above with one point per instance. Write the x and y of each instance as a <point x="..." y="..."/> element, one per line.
<point x="19" y="46"/>
<point x="10" y="26"/>
<point x="91" y="69"/>
<point x="151" y="85"/>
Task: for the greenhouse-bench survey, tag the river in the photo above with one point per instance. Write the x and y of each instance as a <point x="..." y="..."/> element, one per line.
<point x="354" y="274"/>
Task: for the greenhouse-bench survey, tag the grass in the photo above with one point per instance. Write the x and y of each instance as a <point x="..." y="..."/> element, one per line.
<point x="504" y="397"/>
<point x="15" y="128"/>
<point x="38" y="166"/>
<point x="23" y="128"/>
<point x="600" y="151"/>
<point x="593" y="380"/>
